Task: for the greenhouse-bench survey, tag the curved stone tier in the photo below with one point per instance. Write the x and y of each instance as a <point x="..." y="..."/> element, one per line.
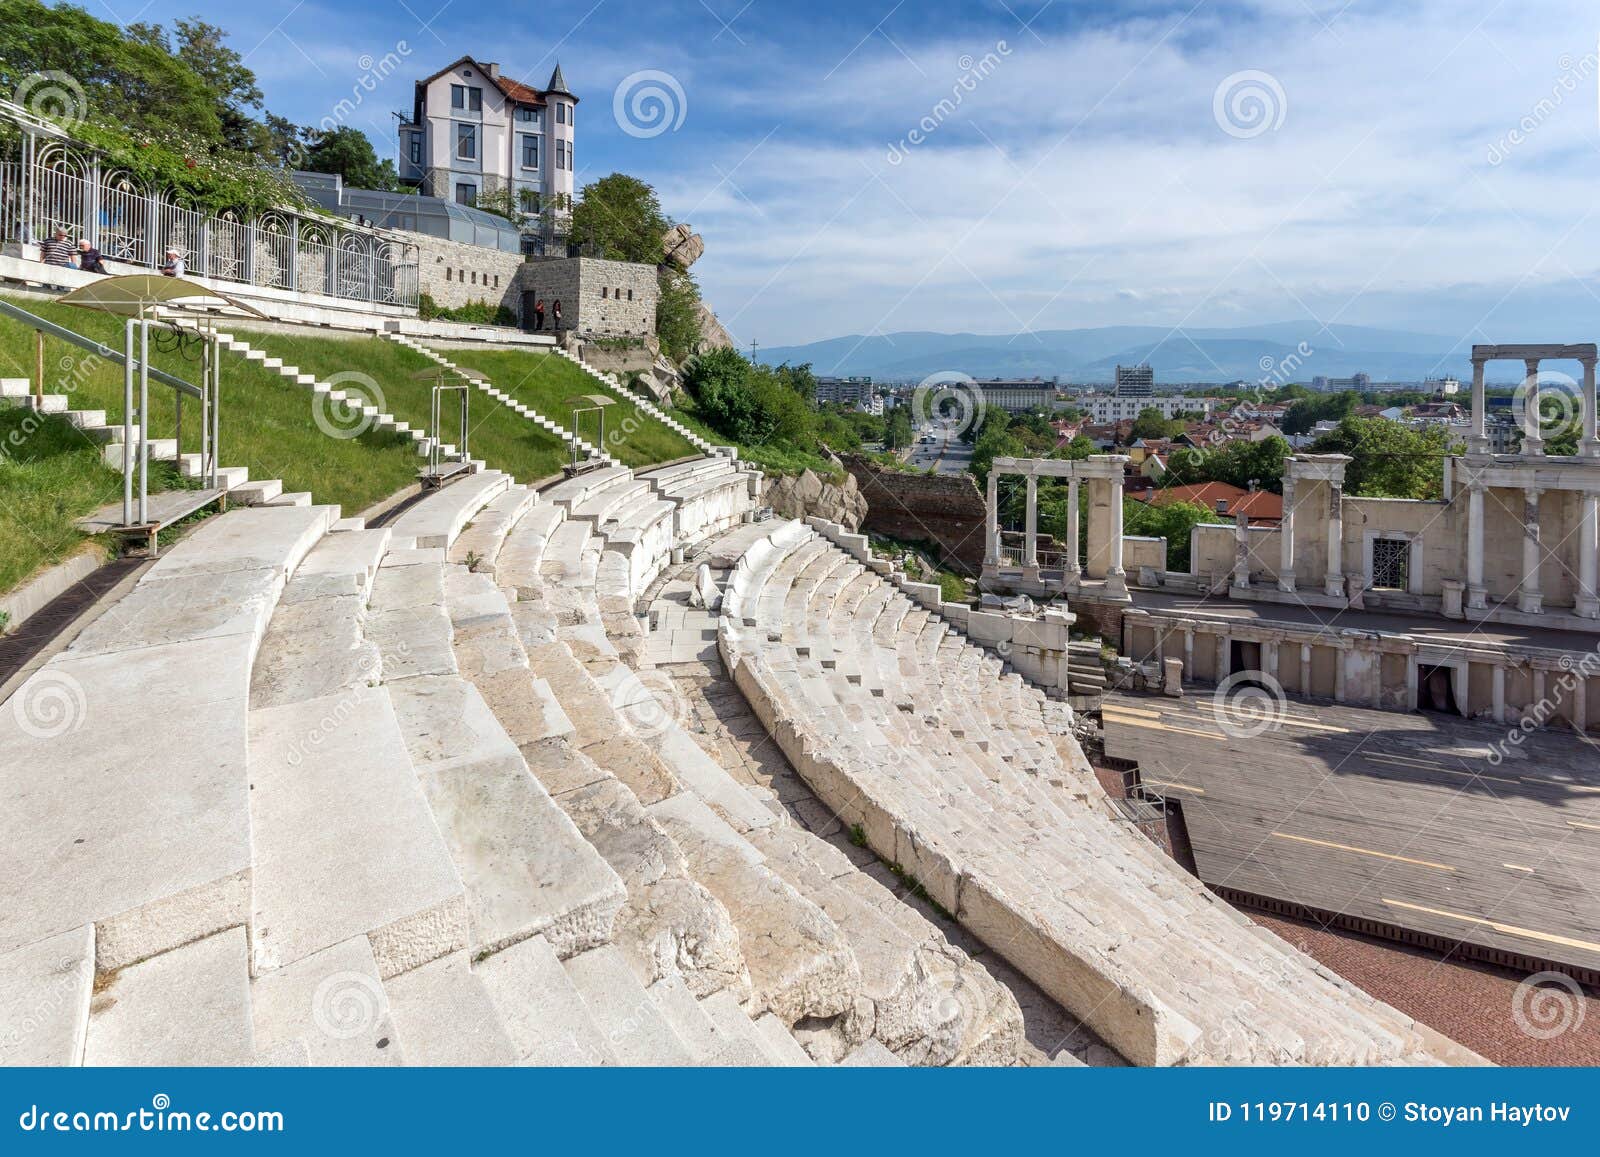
<point x="969" y="780"/>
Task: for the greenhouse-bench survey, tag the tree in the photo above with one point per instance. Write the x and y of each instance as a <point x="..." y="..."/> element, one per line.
<point x="127" y="79"/>
<point x="1306" y="412"/>
<point x="1173" y="521"/>
<point x="620" y="217"/>
<point x="677" y="313"/>
<point x="347" y="152"/>
<point x="1388" y="460"/>
<point x="748" y="403"/>
<point x="1238" y="463"/>
<point x="897" y="429"/>
<point x="1152" y="423"/>
<point x="222" y="70"/>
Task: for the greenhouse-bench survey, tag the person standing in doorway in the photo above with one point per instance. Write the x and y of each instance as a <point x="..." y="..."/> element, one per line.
<point x="538" y="316"/>
<point x="555" y="312"/>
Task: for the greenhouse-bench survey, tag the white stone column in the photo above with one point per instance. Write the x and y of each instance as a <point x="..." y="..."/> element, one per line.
<point x="1286" y="538"/>
<point x="1224" y="658"/>
<point x="1030" y="539"/>
<point x="1530" y="601"/>
<point x="1334" y="583"/>
<point x="1269" y="659"/>
<point x="1532" y="440"/>
<point x="1478" y="440"/>
<point x="1411" y="682"/>
<point x="1580" y="699"/>
<point x="1305" y="668"/>
<point x="1188" y="653"/>
<point x="1589" y="447"/>
<point x="1339" y="654"/>
<point x="1588" y="600"/>
<point x="991" y="525"/>
<point x="1116" y="582"/>
<point x="1497" y="693"/>
<point x="1074" y="529"/>
<point x="1477" y="595"/>
<point x="1241" y="550"/>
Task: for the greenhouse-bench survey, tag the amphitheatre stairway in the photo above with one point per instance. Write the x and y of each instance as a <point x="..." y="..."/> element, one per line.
<point x="317" y="792"/>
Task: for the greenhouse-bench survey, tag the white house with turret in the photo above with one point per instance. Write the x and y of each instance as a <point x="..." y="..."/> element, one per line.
<point x="474" y="131"/>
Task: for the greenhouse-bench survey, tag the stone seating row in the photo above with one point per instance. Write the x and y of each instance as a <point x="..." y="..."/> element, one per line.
<point x="954" y="771"/>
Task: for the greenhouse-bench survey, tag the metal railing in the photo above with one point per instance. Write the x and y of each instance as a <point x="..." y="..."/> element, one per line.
<point x="48" y="182"/>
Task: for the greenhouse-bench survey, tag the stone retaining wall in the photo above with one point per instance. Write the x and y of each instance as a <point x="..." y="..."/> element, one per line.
<point x="944" y="509"/>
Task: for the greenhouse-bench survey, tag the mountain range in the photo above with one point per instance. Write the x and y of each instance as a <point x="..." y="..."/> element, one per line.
<point x="1177" y="355"/>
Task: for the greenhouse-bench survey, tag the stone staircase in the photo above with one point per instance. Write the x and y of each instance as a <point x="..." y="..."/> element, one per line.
<point x="374" y="418"/>
<point x="611" y="382"/>
<point x="504" y="398"/>
<point x="368" y="830"/>
<point x="96" y="427"/>
<point x="968" y="778"/>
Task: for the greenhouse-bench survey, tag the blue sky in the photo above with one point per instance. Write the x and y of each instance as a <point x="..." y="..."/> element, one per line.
<point x="1425" y="165"/>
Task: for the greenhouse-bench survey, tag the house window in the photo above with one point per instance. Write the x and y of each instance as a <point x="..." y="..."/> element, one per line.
<point x="467" y="142"/>
<point x="530" y="151"/>
<point x="447" y="273"/>
<point x="466" y="193"/>
<point x="529" y="199"/>
<point x="1391" y="563"/>
<point x="604" y="293"/>
<point x="561" y="155"/>
<point x="528" y="116"/>
<point x="464" y="97"/>
<point x="630" y="295"/>
<point x="415" y="141"/>
<point x="561" y="113"/>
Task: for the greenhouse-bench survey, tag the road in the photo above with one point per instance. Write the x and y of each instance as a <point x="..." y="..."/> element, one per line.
<point x="946" y="454"/>
<point x="1399" y="818"/>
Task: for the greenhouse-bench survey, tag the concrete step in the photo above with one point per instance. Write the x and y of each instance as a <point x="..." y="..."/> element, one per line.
<point x="332" y="1003"/>
<point x="256" y="493"/>
<point x="44" y="999"/>
<point x="160" y="450"/>
<point x="324" y="868"/>
<point x="543" y="1014"/>
<point x="190" y="1006"/>
<point x="445" y="1015"/>
<point x="296" y="498"/>
<point x="632" y="1023"/>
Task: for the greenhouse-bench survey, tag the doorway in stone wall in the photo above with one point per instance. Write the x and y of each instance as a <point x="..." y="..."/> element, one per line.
<point x="530" y="298"/>
<point x="1436" y="689"/>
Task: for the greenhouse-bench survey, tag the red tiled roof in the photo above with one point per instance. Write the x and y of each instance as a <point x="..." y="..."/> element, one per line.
<point x="1258" y="505"/>
<point x="520" y="92"/>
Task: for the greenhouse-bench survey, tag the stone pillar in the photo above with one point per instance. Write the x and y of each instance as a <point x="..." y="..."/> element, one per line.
<point x="1305" y="668"/>
<point x="1074" y="529"/>
<point x="1030" y="541"/>
<point x="1477" y="594"/>
<point x="1188" y="652"/>
<point x="991" y="522"/>
<point x="1286" y="538"/>
<point x="1532" y="441"/>
<point x="1478" y="440"/>
<point x="1241" y="549"/>
<point x="1588" y="600"/>
<point x="1224" y="658"/>
<point x="1269" y="659"/>
<point x="1497" y="692"/>
<point x="1530" y="601"/>
<point x="1116" y="582"/>
<point x="1339" y="654"/>
<point x="1411" y="682"/>
<point x="1334" y="583"/>
<point x="1589" y="447"/>
<point x="1580" y="699"/>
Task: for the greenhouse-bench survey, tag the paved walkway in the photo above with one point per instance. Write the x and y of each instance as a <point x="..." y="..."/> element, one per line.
<point x="1408" y="819"/>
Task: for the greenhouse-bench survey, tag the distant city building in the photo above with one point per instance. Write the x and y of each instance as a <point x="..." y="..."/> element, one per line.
<point x="1106" y="409"/>
<point x="1135" y="381"/>
<point x="857" y="392"/>
<point x="1359" y="382"/>
<point x="1018" y="395"/>
<point x="1443" y="386"/>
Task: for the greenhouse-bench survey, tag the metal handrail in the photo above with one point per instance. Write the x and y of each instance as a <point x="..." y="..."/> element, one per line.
<point x="72" y="337"/>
